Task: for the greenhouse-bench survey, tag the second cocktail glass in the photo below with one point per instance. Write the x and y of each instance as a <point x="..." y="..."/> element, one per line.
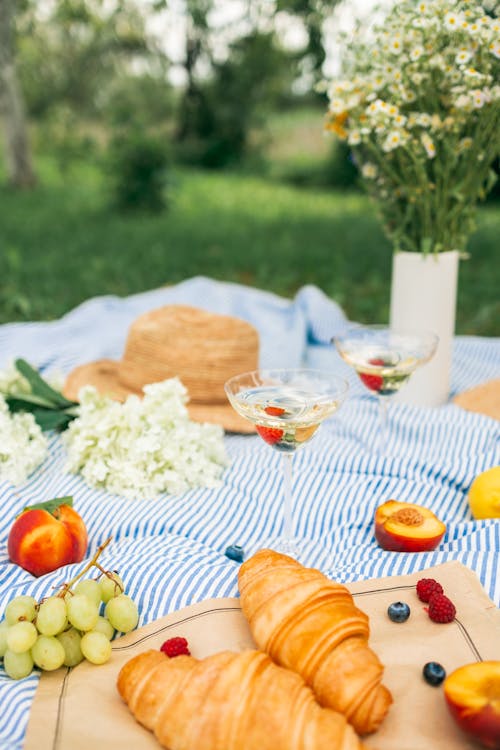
<point x="385" y="359"/>
<point x="287" y="408"/>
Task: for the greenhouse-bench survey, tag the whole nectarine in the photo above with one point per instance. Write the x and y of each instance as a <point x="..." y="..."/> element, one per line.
<point x="472" y="694"/>
<point x="46" y="536"/>
<point x="406" y="527"/>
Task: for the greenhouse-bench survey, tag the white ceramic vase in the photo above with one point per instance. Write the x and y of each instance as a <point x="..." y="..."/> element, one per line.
<point x="423" y="297"/>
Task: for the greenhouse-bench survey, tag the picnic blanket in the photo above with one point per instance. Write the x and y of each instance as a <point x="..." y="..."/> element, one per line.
<point x="170" y="551"/>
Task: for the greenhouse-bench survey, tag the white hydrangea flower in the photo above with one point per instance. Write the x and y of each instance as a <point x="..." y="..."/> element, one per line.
<point x="144" y="447"/>
<point x="12" y="382"/>
<point x="23" y="446"/>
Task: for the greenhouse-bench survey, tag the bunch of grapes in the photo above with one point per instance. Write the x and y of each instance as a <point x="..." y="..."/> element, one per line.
<point x="66" y="628"/>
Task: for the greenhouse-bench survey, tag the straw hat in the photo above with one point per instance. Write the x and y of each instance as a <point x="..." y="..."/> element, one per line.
<point x="201" y="348"/>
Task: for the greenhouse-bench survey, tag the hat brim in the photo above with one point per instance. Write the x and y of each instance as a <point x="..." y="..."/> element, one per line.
<point x="104" y="376"/>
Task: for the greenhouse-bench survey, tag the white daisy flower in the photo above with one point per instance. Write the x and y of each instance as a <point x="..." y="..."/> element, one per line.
<point x="462" y="102"/>
<point x="416" y="53"/>
<point x="337" y="106"/>
<point x="424" y="120"/>
<point x="465" y="144"/>
<point x="369" y="171"/>
<point x="396" y="46"/>
<point x="473" y="28"/>
<point x="453" y="20"/>
<point x="409" y="95"/>
<point x="428" y="145"/>
<point x="495" y="49"/>
<point x="354" y="138"/>
<point x="478" y="99"/>
<point x="463" y="57"/>
<point x="393" y="140"/>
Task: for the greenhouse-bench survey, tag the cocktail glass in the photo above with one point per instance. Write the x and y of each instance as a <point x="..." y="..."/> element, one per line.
<point x="287" y="408"/>
<point x="385" y="358"/>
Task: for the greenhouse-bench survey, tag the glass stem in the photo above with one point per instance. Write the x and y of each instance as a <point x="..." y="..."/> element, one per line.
<point x="383" y="423"/>
<point x="286" y="460"/>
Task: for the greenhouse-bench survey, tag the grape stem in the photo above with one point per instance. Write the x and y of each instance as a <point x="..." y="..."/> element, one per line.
<point x="91" y="564"/>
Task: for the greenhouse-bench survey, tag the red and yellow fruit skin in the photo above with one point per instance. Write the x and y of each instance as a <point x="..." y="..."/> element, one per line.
<point x="41" y="542"/>
<point x="472" y="694"/>
<point x="395" y="536"/>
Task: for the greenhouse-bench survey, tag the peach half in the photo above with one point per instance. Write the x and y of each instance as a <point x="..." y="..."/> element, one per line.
<point x="472" y="695"/>
<point x="406" y="527"/>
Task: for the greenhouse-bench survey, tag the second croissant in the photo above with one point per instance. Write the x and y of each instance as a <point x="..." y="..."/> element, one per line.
<point x="310" y="624"/>
<point x="229" y="701"/>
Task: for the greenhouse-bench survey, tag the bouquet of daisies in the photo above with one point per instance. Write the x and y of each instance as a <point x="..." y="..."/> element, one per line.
<point x="419" y="104"/>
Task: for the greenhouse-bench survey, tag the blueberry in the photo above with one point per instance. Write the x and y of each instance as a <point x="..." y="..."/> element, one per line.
<point x="235" y="552"/>
<point x="433" y="673"/>
<point x="398" y="611"/>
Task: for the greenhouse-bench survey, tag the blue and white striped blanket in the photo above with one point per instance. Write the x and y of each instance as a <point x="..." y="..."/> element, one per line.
<point x="170" y="551"/>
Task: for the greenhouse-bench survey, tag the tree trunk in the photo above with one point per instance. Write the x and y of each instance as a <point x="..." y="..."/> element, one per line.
<point x="17" y="150"/>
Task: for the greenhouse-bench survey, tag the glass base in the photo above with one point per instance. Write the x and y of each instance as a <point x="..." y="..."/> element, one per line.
<point x="291" y="547"/>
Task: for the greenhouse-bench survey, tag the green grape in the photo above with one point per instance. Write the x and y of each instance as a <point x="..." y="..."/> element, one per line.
<point x="20" y="608"/>
<point x="21" y="637"/>
<point x="4" y="627"/>
<point x="82" y="612"/>
<point x="48" y="653"/>
<point x="89" y="588"/>
<point x="104" y="626"/>
<point x="110" y="587"/>
<point x="122" y="613"/>
<point x="51" y="617"/>
<point x="70" y="640"/>
<point x="18" y="666"/>
<point x="96" y="647"/>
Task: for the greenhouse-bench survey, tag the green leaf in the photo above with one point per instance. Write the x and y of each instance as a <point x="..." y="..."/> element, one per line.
<point x="426" y="245"/>
<point x="51" y="505"/>
<point x="26" y="402"/>
<point x="48" y="419"/>
<point x="40" y="387"/>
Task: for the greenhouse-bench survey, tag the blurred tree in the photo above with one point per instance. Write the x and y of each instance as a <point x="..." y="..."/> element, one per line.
<point x="312" y="14"/>
<point x="192" y="111"/>
<point x="225" y="96"/>
<point x="71" y="55"/>
<point x="17" y="150"/>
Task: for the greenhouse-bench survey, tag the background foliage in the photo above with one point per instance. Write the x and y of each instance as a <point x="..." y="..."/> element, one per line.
<point x="153" y="166"/>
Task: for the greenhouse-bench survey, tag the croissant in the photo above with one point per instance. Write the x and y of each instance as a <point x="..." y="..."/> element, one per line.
<point x="229" y="701"/>
<point x="309" y="624"/>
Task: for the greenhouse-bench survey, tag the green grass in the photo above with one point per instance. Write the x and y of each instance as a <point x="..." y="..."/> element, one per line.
<point x="61" y="244"/>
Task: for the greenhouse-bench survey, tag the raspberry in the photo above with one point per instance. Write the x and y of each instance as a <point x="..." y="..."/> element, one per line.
<point x="426" y="587"/>
<point x="175" y="647"/>
<point x="441" y="609"/>
<point x="270" y="434"/>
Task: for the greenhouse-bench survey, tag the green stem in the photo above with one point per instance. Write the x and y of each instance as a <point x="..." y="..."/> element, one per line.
<point x="92" y="563"/>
